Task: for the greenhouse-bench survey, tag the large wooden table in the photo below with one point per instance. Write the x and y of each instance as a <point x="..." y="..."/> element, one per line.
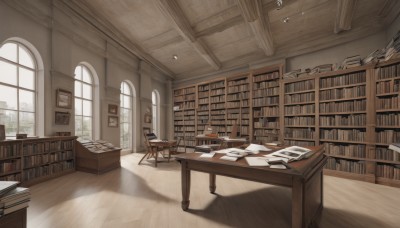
<point x="305" y="178"/>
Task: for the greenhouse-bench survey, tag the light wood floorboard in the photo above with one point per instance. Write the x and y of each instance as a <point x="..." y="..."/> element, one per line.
<point x="145" y="196"/>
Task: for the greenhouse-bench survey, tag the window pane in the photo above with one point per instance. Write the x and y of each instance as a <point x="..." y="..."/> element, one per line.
<point x="8" y="98"/>
<point x="127" y="89"/>
<point x="87" y="108"/>
<point x="87" y="91"/>
<point x="78" y="106"/>
<point x="127" y="102"/>
<point x="78" y="73"/>
<point x="78" y="89"/>
<point x="87" y="127"/>
<point x="26" y="78"/>
<point x="86" y="76"/>
<point x="125" y="136"/>
<point x="8" y="73"/>
<point x="26" y="101"/>
<point x="78" y="125"/>
<point x="125" y="115"/>
<point x="11" y="123"/>
<point x="9" y="51"/>
<point x="27" y="123"/>
<point x="25" y="58"/>
<point x="153" y="98"/>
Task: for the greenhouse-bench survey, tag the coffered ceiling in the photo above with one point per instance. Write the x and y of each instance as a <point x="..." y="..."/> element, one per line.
<point x="216" y="35"/>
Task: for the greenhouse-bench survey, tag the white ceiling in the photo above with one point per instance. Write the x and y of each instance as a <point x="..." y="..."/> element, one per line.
<point x="215" y="35"/>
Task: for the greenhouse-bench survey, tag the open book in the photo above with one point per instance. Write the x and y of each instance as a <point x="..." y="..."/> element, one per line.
<point x="293" y="153"/>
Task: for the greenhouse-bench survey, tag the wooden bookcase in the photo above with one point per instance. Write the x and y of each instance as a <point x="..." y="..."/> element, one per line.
<point x="266" y="102"/>
<point x="185" y="115"/>
<point x="354" y="113"/>
<point x="31" y="161"/>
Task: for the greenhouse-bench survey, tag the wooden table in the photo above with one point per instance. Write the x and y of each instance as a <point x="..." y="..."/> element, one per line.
<point x="305" y="178"/>
<point x="165" y="144"/>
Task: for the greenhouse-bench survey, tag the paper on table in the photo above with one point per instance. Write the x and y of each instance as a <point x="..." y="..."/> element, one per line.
<point x="207" y="155"/>
<point x="256" y="161"/>
<point x="278" y="167"/>
<point x="277" y="159"/>
<point x="228" y="158"/>
<point x="257" y="148"/>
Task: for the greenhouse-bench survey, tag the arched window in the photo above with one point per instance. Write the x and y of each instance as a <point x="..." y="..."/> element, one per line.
<point x="18" y="90"/>
<point x="126" y="100"/>
<point x="155" y="98"/>
<point x="83" y="102"/>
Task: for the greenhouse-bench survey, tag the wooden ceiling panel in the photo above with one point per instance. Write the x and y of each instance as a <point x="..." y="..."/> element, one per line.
<point x="197" y="11"/>
<point x="188" y="58"/>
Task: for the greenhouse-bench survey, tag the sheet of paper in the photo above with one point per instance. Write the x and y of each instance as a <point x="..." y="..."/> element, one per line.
<point x="207" y="155"/>
<point x="277" y="167"/>
<point x="277" y="159"/>
<point x="257" y="148"/>
<point x="256" y="161"/>
<point x="228" y="158"/>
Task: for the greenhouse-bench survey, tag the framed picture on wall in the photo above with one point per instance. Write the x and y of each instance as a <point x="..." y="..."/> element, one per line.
<point x="146" y="130"/>
<point x="113" y="109"/>
<point x="147" y="118"/>
<point x="62" y="118"/>
<point x="63" y="99"/>
<point x="113" y="121"/>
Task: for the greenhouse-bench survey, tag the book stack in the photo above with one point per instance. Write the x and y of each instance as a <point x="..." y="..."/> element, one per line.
<point x="292" y="74"/>
<point x="13" y="198"/>
<point x="393" y="48"/>
<point x="395" y="147"/>
<point x="377" y="55"/>
<point x="352" y="61"/>
<point x="321" y="69"/>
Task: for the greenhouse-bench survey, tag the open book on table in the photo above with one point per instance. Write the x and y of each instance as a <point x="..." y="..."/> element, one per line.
<point x="293" y="153"/>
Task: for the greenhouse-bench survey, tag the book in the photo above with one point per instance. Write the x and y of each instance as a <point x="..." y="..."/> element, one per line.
<point x="255" y="148"/>
<point x="14" y="196"/>
<point x="395" y="147"/>
<point x="293" y="153"/>
<point x="15" y="208"/>
<point x="6" y="186"/>
<point x="257" y="161"/>
<point x="207" y="155"/>
<point x="229" y="158"/>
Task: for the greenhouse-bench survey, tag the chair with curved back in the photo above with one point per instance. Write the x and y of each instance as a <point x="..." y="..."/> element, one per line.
<point x="152" y="151"/>
<point x="175" y="149"/>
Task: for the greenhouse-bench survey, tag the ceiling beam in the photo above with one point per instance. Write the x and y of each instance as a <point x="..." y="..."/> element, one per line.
<point x="252" y="11"/>
<point x="390" y="10"/>
<point x="172" y="10"/>
<point x="344" y="15"/>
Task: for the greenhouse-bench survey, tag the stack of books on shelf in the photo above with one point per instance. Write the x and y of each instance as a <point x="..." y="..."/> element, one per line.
<point x="97" y="146"/>
<point x="393" y="48"/>
<point x="376" y="55"/>
<point x="352" y="61"/>
<point x="321" y="69"/>
<point x="12" y="198"/>
<point x="292" y="74"/>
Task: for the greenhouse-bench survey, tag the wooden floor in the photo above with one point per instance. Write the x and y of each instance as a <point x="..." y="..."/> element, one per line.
<point x="144" y="196"/>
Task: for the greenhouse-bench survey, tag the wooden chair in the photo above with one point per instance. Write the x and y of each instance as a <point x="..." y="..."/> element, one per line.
<point x="175" y="149"/>
<point x="152" y="151"/>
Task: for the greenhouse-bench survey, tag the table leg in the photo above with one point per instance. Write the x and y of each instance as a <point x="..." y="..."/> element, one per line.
<point x="185" y="186"/>
<point x="297" y="203"/>
<point x="146" y="154"/>
<point x="212" y="183"/>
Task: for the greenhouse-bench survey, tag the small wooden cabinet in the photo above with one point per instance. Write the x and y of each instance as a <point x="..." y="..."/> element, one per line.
<point x="96" y="157"/>
<point x="16" y="219"/>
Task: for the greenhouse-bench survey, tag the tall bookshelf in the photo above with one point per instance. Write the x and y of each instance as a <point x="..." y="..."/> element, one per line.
<point x="387" y="89"/>
<point x="300" y="112"/>
<point x="217" y="105"/>
<point x="31" y="161"/>
<point x="185" y="115"/>
<point x="238" y="105"/>
<point x="203" y="107"/>
<point x="265" y="105"/>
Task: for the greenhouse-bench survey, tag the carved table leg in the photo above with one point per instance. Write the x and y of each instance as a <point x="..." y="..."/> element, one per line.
<point x="212" y="183"/>
<point x="185" y="186"/>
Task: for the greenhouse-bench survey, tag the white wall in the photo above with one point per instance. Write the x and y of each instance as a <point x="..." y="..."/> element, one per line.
<point x="69" y="43"/>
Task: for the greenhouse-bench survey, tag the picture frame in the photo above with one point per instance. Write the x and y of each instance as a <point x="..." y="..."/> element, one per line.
<point x="63" y="99"/>
<point x="147" y="118"/>
<point x="146" y="130"/>
<point x="62" y="118"/>
<point x="112" y="121"/>
<point x="113" y="109"/>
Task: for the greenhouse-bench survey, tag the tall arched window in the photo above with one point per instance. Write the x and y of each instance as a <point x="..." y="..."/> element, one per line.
<point x="83" y="102"/>
<point x="18" y="83"/>
<point x="126" y="99"/>
<point x="155" y="98"/>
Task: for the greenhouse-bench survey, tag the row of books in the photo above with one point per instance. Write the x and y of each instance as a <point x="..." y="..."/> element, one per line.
<point x="10" y="150"/>
<point x="388" y="87"/>
<point x="384" y="153"/>
<point x="46" y="158"/>
<point x="299" y="120"/>
<point x="266" y="132"/>
<point x="46" y="170"/>
<point x="388" y="171"/>
<point x="344" y="106"/>
<point x="12" y="197"/>
<point x="274" y="91"/>
<point x="266" y="101"/>
<point x="342" y="134"/>
<point x="388" y="136"/>
<point x="12" y="177"/>
<point x="203" y="94"/>
<point x="204" y="87"/>
<point x="347" y="79"/>
<point x="265" y="85"/>
<point x="388" y="119"/>
<point x="392" y="71"/>
<point x="290" y="142"/>
<point x="217" y="106"/>
<point x="43" y="147"/>
<point x="303" y="133"/>
<point x="216" y="85"/>
<point x="300" y="109"/>
<point x="299" y="97"/>
<point x="388" y="102"/>
<point x="202" y="113"/>
<point x="238" y="96"/>
<point x="345" y="165"/>
<point x="343" y="120"/>
<point x="238" y="82"/>
<point x="185" y="98"/>
<point x="238" y="88"/>
<point x="217" y="92"/>
<point x="266" y="111"/>
<point x="300" y="86"/>
<point x="267" y="76"/>
<point x="220" y="98"/>
<point x="10" y="165"/>
<point x="185" y="91"/>
<point x="342" y="93"/>
<point x="264" y="123"/>
<point x="349" y="150"/>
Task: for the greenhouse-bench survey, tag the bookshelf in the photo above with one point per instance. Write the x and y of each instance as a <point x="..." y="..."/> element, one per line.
<point x="203" y="107"/>
<point x="238" y="105"/>
<point x="300" y="112"/>
<point x="266" y="104"/>
<point x="31" y="161"/>
<point x="185" y="115"/>
<point x="217" y="105"/>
